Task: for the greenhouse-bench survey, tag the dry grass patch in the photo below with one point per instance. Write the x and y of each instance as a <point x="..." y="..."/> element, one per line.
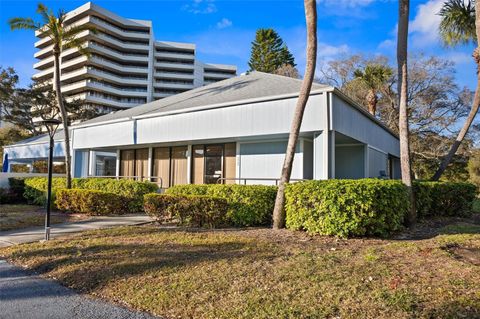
<point x="23" y="216"/>
<point x="261" y="273"/>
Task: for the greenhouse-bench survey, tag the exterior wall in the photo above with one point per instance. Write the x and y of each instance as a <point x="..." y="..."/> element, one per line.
<point x="128" y="67"/>
<point x="351" y="122"/>
<point x="265" y="160"/>
<point x="377" y="163"/>
<point x="34" y="151"/>
<point x="350" y="161"/>
<point x="247" y="120"/>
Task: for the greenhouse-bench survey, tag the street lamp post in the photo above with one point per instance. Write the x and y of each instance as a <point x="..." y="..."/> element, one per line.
<point x="51" y="125"/>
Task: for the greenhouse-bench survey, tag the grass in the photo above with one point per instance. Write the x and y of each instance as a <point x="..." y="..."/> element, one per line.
<point x="261" y="273"/>
<point x="23" y="216"/>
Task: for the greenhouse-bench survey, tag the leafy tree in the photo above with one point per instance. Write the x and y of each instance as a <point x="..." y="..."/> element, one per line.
<point x="63" y="37"/>
<point x="374" y="77"/>
<point x="10" y="135"/>
<point x="460" y="24"/>
<point x="436" y="106"/>
<point x="474" y="167"/>
<point x="311" y="18"/>
<point x="269" y="52"/>
<point x="288" y="70"/>
<point x="402" y="40"/>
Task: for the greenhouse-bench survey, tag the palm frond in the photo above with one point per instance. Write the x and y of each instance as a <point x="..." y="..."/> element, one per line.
<point x="71" y="32"/>
<point x="23" y="24"/>
<point x="457" y="25"/>
<point x="77" y="44"/>
<point x="44" y="13"/>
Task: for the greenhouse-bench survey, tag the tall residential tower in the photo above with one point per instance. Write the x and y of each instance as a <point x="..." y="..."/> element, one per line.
<point x="127" y="66"/>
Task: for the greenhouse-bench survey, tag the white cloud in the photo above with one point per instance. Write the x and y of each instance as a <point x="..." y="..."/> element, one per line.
<point x="424" y="27"/>
<point x="201" y="7"/>
<point x="224" y="23"/>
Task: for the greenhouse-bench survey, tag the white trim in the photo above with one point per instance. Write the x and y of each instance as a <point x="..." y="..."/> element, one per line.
<point x="117" y="168"/>
<point x="149" y="162"/>
<point x="189" y="163"/>
<point x="237" y="162"/>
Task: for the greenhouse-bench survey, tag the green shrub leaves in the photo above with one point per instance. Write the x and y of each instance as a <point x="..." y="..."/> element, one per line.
<point x="249" y="205"/>
<point x="188" y="210"/>
<point x="91" y="202"/>
<point x="366" y="207"/>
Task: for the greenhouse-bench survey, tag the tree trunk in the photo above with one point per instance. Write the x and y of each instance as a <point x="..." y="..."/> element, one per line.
<point x="474" y="110"/>
<point x="405" y="164"/>
<point x="64" y="114"/>
<point x="311" y="19"/>
<point x="372" y="101"/>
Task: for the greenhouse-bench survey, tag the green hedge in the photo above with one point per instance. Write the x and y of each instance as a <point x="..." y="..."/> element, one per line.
<point x="91" y="202"/>
<point x="35" y="189"/>
<point x="444" y="198"/>
<point x="189" y="210"/>
<point x="365" y="207"/>
<point x="248" y="205"/>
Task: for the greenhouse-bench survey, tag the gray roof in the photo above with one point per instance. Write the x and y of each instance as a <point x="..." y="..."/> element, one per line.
<point x="250" y="86"/>
<point x="44" y="138"/>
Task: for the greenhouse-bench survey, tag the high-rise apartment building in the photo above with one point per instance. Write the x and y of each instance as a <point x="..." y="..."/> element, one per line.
<point x="127" y="66"/>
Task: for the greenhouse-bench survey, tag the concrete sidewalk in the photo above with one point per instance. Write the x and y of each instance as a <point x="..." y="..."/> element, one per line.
<point x="24" y="295"/>
<point x="28" y="235"/>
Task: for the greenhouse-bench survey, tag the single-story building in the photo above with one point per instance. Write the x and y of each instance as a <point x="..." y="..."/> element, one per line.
<point x="233" y="131"/>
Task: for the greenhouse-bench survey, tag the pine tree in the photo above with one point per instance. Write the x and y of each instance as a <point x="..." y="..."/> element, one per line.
<point x="269" y="52"/>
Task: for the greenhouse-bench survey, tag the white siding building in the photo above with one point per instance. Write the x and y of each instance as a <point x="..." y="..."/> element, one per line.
<point x="128" y="66"/>
<point x="233" y="131"/>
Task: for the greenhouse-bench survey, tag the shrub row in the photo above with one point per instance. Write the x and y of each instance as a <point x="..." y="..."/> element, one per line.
<point x="367" y="207"/>
<point x="188" y="210"/>
<point x="35" y="189"/>
<point x="248" y="205"/>
<point x="444" y="198"/>
<point x="91" y="202"/>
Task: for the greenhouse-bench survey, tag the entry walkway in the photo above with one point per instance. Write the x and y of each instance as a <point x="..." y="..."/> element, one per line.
<point x="28" y="235"/>
<point x="24" y="295"/>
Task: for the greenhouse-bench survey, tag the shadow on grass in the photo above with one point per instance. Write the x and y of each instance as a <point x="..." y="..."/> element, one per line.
<point x="86" y="267"/>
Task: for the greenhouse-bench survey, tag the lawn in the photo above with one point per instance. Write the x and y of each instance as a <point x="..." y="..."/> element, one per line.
<point x="261" y="273"/>
<point x="23" y="216"/>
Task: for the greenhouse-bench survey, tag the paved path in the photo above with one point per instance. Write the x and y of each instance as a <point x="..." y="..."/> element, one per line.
<point x="28" y="235"/>
<point x="27" y="296"/>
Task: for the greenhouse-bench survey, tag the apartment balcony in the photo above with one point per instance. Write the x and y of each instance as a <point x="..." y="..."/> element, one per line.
<point x="105" y="88"/>
<point x="173" y="66"/>
<point x="118" y="31"/>
<point x="158" y="95"/>
<point x="109" y="102"/>
<point x="220" y="76"/>
<point x="107" y="64"/>
<point x="126" y="45"/>
<point x="187" y="56"/>
<point x="173" y="75"/>
<point x="173" y="85"/>
<point x="114" y="54"/>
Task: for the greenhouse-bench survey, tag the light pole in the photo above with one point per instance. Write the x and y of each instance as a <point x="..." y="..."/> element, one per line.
<point x="52" y="126"/>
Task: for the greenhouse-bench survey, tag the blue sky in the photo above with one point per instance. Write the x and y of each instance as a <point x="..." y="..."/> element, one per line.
<point x="223" y="30"/>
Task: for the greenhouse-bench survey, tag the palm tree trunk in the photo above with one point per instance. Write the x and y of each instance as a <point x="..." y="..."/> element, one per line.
<point x="64" y="114"/>
<point x="372" y="101"/>
<point x="311" y="19"/>
<point x="474" y="110"/>
<point x="402" y="39"/>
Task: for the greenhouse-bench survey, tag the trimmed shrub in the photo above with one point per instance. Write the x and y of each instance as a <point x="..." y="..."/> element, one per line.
<point x="344" y="208"/>
<point x="91" y="202"/>
<point x="248" y="205"/>
<point x="17" y="188"/>
<point x="189" y="210"/>
<point x="444" y="198"/>
<point x="35" y="189"/>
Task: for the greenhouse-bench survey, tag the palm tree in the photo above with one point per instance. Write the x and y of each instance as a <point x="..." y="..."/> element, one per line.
<point x="402" y="39"/>
<point x="460" y="24"/>
<point x="311" y="19"/>
<point x="374" y="76"/>
<point x="63" y="37"/>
